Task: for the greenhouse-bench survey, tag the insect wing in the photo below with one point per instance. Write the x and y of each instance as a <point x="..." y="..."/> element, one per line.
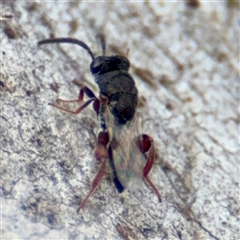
<point x="127" y="157"/>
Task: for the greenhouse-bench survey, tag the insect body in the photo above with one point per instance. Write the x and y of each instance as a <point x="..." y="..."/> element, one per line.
<point x="120" y="141"/>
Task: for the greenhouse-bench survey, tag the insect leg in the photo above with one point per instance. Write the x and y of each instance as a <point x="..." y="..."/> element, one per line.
<point x="95" y="183"/>
<point x="148" y="144"/>
<point x="100" y="150"/>
<point x="83" y="90"/>
<point x="100" y="153"/>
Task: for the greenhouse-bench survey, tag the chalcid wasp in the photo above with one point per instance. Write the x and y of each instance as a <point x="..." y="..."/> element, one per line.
<point x="120" y="141"/>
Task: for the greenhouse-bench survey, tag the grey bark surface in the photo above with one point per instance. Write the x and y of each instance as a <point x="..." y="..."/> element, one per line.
<point x="185" y="62"/>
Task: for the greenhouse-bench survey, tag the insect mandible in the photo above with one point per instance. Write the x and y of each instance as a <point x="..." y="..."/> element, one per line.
<point x="130" y="153"/>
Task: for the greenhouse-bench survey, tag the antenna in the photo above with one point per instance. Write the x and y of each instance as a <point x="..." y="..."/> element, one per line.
<point x="103" y="44"/>
<point x="73" y="41"/>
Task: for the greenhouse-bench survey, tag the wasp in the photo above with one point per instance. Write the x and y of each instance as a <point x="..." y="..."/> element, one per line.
<point x="120" y="141"/>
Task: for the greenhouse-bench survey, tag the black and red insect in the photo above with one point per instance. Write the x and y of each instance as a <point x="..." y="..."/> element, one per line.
<point x="120" y="141"/>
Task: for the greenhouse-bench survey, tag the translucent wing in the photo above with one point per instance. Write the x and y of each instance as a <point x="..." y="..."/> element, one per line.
<point x="127" y="157"/>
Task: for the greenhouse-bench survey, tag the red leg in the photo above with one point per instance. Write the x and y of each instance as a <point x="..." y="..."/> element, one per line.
<point x="73" y="112"/>
<point x="101" y="153"/>
<point x="80" y="97"/>
<point x="148" y="144"/>
<point x="95" y="183"/>
<point x="88" y="92"/>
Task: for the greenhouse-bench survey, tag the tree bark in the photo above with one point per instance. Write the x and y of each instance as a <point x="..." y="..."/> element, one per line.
<point x="185" y="62"/>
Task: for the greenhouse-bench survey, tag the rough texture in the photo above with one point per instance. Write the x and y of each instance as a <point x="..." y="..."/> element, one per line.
<point x="184" y="59"/>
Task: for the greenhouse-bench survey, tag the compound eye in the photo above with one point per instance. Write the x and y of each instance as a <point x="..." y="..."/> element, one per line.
<point x="96" y="65"/>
